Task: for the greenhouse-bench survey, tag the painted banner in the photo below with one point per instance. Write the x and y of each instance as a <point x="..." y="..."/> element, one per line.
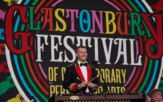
<point x="38" y="40"/>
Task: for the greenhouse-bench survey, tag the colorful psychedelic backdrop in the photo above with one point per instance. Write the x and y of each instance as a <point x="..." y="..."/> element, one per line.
<point x="38" y="37"/>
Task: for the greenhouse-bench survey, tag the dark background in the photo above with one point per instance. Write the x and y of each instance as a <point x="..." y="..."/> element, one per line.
<point x="12" y="92"/>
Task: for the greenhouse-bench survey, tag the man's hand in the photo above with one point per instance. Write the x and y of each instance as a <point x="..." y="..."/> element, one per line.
<point x="91" y="85"/>
<point x="83" y="84"/>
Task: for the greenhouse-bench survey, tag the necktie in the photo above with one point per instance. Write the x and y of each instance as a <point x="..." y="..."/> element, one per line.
<point x="83" y="64"/>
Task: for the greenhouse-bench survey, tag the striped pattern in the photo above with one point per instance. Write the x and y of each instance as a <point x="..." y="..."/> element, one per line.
<point x="29" y="72"/>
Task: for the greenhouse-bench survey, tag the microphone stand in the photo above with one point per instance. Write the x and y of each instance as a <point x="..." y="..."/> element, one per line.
<point x="105" y="88"/>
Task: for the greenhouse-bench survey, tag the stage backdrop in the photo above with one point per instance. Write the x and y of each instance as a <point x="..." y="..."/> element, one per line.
<point x="38" y="38"/>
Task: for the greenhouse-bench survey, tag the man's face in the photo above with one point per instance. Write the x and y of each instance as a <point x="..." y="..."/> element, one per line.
<point x="159" y="96"/>
<point x="81" y="54"/>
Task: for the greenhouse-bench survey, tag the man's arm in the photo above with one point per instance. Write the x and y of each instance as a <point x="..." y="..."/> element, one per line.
<point x="95" y="83"/>
<point x="67" y="84"/>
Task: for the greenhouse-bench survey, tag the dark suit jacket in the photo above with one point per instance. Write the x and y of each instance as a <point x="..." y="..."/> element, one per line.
<point x="73" y="72"/>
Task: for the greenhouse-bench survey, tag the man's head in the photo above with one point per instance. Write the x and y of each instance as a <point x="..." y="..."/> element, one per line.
<point x="81" y="53"/>
<point x="156" y="95"/>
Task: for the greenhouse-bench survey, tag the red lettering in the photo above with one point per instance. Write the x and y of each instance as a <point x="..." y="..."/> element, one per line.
<point x="8" y="29"/>
<point x="156" y="34"/>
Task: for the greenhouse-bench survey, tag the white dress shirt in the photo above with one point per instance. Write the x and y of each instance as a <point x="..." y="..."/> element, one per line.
<point x="84" y="73"/>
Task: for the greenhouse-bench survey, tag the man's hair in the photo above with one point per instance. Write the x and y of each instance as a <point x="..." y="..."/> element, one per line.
<point x="153" y="92"/>
<point x="79" y="47"/>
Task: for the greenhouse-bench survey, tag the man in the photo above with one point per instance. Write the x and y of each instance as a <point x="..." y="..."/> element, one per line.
<point x="148" y="99"/>
<point x="80" y="76"/>
<point x="156" y="95"/>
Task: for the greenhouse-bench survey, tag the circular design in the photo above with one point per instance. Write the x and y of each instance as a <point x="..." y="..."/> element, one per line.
<point x="31" y="79"/>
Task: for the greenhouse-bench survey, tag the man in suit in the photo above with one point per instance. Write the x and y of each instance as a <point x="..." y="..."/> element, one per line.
<point x="156" y="95"/>
<point x="80" y="76"/>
